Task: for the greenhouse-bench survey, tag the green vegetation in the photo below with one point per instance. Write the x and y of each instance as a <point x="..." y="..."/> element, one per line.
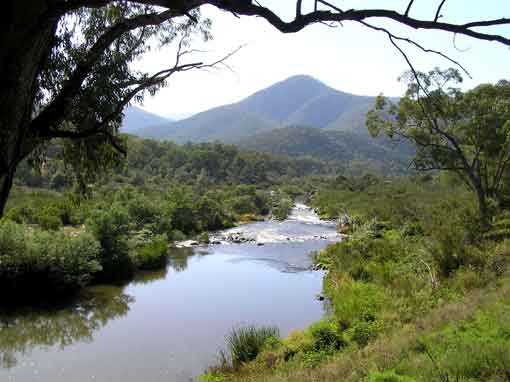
<point x="36" y="263"/>
<point x="150" y="163"/>
<point x="353" y="150"/>
<point x="125" y="220"/>
<point x="152" y="254"/>
<point x="463" y="132"/>
<point x="245" y="343"/>
<point x="419" y="289"/>
<point x="415" y="290"/>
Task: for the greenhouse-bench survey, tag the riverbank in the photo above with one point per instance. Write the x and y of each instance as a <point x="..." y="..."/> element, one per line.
<point x="168" y="325"/>
<point x="51" y="246"/>
<point x="414" y="292"/>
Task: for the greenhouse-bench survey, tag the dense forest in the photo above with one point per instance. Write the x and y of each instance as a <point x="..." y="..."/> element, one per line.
<point x="153" y="162"/>
<point x="355" y="152"/>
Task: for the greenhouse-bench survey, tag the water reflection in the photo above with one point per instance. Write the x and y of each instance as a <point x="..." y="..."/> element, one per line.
<point x="179" y="257"/>
<point x="147" y="277"/>
<point x="22" y="331"/>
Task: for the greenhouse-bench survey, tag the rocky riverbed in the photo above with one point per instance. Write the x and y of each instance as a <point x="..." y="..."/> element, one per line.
<point x="310" y="227"/>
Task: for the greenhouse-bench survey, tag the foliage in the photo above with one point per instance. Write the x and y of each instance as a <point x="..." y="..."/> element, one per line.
<point x="245" y="343"/>
<point x="110" y="226"/>
<point x="41" y="265"/>
<point x="326" y="335"/>
<point x="200" y="165"/>
<point x="403" y="290"/>
<point x="153" y="254"/>
<point x="282" y="208"/>
<point x="467" y="133"/>
<point x="351" y="151"/>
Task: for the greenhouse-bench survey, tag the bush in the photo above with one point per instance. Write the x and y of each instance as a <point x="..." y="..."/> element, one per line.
<point x="282" y="209"/>
<point x="110" y="227"/>
<point x="47" y="217"/>
<point x="357" y="300"/>
<point x="152" y="255"/>
<point x="362" y="332"/>
<point x="177" y="235"/>
<point x="245" y="343"/>
<point x="326" y="335"/>
<point x="19" y="215"/>
<point x="38" y="265"/>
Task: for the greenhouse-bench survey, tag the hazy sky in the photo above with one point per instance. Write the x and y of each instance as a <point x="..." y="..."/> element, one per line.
<point x="350" y="58"/>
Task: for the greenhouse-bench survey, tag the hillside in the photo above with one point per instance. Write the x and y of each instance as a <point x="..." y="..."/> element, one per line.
<point x="343" y="147"/>
<point x="225" y="123"/>
<point x="298" y="100"/>
<point x="136" y="118"/>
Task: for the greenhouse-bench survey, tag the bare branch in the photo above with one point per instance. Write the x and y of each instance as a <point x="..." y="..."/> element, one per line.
<point x="247" y="8"/>
<point x="298" y="8"/>
<point x="330" y="6"/>
<point x="408" y="9"/>
<point x="421" y="47"/>
<point x="439" y="10"/>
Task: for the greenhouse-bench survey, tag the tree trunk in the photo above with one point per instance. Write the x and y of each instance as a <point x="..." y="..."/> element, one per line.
<point x="26" y="38"/>
<point x="5" y="189"/>
<point x="483" y="209"/>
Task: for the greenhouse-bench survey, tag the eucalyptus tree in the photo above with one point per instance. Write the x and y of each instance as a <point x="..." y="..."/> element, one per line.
<point x="66" y="73"/>
<point x="464" y="132"/>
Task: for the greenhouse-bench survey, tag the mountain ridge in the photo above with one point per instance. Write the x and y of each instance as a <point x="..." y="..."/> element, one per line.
<point x="297" y="100"/>
<point x="136" y="118"/>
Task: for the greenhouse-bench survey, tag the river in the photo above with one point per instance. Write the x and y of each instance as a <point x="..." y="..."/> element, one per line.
<point x="169" y="325"/>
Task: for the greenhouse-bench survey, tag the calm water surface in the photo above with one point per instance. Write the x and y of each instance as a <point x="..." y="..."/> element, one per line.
<point x="169" y="325"/>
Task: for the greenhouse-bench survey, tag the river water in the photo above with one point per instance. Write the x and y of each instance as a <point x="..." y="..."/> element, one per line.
<point x="169" y="325"/>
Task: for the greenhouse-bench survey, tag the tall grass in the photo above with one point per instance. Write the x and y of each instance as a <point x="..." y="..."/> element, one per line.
<point x="245" y="343"/>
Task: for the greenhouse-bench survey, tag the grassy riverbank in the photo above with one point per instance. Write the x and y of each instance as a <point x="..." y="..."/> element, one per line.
<point x="418" y="292"/>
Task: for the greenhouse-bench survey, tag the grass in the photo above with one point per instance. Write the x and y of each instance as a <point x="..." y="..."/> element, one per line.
<point x="401" y="354"/>
<point x="417" y="294"/>
<point x="244" y="344"/>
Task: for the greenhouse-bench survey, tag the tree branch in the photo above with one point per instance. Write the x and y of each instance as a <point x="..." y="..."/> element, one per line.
<point x="439" y="10"/>
<point x="298" y="8"/>
<point x="408" y="9"/>
<point x="419" y="46"/>
<point x="56" y="111"/>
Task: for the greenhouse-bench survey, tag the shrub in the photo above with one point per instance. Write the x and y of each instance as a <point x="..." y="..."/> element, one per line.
<point x="326" y="335"/>
<point x="48" y="218"/>
<point x="38" y="264"/>
<point x="362" y="332"/>
<point x="282" y="209"/>
<point x="357" y="300"/>
<point x="19" y="215"/>
<point x="245" y="343"/>
<point x="152" y="255"/>
<point x="110" y="227"/>
<point x="177" y="235"/>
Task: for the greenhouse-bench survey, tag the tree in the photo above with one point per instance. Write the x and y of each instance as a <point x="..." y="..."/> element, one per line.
<point x="467" y="133"/>
<point x="66" y="71"/>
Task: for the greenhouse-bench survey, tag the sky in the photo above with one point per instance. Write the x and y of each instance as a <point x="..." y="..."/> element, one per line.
<point x="350" y="58"/>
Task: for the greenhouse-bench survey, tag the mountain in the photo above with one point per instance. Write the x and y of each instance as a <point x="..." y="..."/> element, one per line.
<point x="225" y="123"/>
<point x="298" y="100"/>
<point x="136" y="119"/>
<point x="345" y="147"/>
